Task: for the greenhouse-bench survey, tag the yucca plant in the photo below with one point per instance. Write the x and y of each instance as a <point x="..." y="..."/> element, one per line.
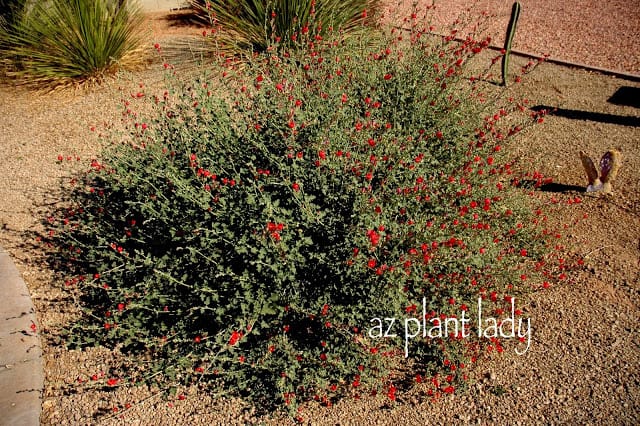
<point x="10" y="10"/>
<point x="256" y="24"/>
<point x="61" y="42"/>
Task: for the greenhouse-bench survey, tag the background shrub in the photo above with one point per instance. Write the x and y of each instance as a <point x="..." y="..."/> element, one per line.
<point x="60" y="42"/>
<point x="10" y="10"/>
<point x="253" y="25"/>
<point x="247" y="236"/>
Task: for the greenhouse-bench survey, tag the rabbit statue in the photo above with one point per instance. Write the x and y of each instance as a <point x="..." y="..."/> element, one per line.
<point x="609" y="166"/>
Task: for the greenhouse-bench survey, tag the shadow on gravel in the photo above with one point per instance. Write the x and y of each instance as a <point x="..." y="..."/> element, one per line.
<point x="561" y="187"/>
<point x="626" y="96"/>
<point x="183" y="18"/>
<point x="574" y="114"/>
<point x="552" y="187"/>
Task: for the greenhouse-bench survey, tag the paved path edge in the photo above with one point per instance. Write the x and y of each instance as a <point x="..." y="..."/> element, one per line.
<point x="21" y="366"/>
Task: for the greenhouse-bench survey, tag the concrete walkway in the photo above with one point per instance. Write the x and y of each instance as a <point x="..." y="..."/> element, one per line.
<point x="161" y="5"/>
<point x="21" y="371"/>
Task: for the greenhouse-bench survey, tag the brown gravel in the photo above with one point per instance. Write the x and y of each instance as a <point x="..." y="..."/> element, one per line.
<point x="584" y="363"/>
<point x="598" y="33"/>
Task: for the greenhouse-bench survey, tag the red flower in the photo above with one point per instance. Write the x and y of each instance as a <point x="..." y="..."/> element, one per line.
<point x="371" y="263"/>
<point x="392" y="393"/>
<point x="374" y="237"/>
<point x="325" y="309"/>
<point x="112" y="382"/>
<point x="235" y="336"/>
<point x="356" y="381"/>
<point x="295" y="187"/>
<point x="387" y="76"/>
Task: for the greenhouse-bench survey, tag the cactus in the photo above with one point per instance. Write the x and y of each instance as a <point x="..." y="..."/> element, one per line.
<point x="609" y="166"/>
<point x="511" y="31"/>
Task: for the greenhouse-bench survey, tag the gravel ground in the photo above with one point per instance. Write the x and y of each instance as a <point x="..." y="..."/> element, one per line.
<point x="598" y="33"/>
<point x="583" y="366"/>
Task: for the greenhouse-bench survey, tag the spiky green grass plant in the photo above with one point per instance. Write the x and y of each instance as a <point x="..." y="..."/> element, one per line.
<point x="64" y="42"/>
<point x="257" y="24"/>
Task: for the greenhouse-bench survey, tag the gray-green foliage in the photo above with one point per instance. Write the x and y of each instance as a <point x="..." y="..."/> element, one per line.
<point x="248" y="236"/>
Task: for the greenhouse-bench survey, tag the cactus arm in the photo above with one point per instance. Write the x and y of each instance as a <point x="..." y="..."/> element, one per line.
<point x="511" y="31"/>
<point x="609" y="166"/>
<point x="589" y="167"/>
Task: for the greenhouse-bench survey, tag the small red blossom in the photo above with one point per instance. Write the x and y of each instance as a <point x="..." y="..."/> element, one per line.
<point x="392" y="392"/>
<point x="235" y="337"/>
<point x="325" y="310"/>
